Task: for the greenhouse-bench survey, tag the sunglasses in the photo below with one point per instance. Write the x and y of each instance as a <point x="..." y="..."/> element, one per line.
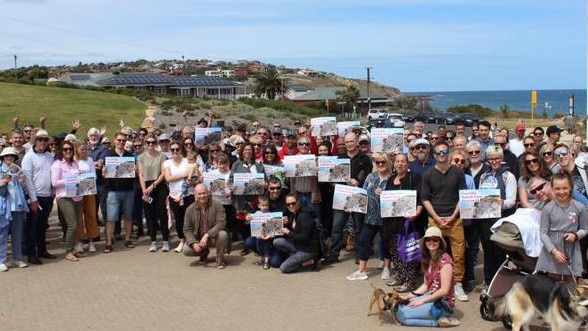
<point x="121" y="140"/>
<point x="214" y="150"/>
<point x="547" y="153"/>
<point x="421" y="147"/>
<point x="188" y="144"/>
<point x="173" y="150"/>
<point x="459" y="161"/>
<point x="537" y="133"/>
<point x="275" y="188"/>
<point x="529" y="162"/>
<point x="268" y="152"/>
<point x="68" y="149"/>
<point x="150" y="142"/>
<point x="304" y="144"/>
<point x="364" y="142"/>
<point x="43" y="139"/>
<point x="500" y="144"/>
<point x="561" y="154"/>
<point x="290" y="204"/>
<point x="262" y="133"/>
<point x="380" y="162"/>
<point x="434" y="138"/>
<point x="256" y="145"/>
<point x="529" y="145"/>
<point x="473" y="152"/>
<point x="537" y="189"/>
<point x="441" y="152"/>
<point x="137" y="146"/>
<point x="435" y="240"/>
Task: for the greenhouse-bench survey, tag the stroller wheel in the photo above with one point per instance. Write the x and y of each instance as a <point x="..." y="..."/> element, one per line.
<point x="507" y="322"/>
<point x="485" y="311"/>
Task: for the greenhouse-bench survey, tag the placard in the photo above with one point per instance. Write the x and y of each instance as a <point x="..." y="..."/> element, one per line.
<point x="324" y="126"/>
<point x="266" y="224"/>
<point x="480" y="204"/>
<point x="248" y="183"/>
<point x="270" y="170"/>
<point x="82" y="184"/>
<point x="350" y="199"/>
<point x="398" y="203"/>
<point x="387" y="139"/>
<point x="216" y="183"/>
<point x="206" y="136"/>
<point x="303" y="165"/>
<point x="345" y="127"/>
<point x="333" y="169"/>
<point x="119" y="167"/>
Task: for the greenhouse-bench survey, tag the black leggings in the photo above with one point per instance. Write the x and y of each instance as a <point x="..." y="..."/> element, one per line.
<point x="179" y="212"/>
<point x="155" y="211"/>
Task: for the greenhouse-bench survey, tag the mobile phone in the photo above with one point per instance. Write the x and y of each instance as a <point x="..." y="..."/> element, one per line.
<point x="150" y="200"/>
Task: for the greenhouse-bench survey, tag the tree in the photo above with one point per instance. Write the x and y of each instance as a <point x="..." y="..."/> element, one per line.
<point x="270" y="84"/>
<point x="350" y="95"/>
<point x="505" y="110"/>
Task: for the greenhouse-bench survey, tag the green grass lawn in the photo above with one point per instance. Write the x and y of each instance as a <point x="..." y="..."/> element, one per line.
<point x="62" y="105"/>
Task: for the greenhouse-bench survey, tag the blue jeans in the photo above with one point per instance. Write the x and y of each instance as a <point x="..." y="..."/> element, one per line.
<point x="15" y="229"/>
<point x="339" y="219"/>
<point x="417" y="316"/>
<point x="296" y="258"/>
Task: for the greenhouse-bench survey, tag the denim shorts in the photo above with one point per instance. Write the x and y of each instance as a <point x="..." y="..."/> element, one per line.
<point x="117" y="202"/>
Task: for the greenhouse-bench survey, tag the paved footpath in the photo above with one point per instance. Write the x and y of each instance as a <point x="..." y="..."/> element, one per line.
<point x="132" y="289"/>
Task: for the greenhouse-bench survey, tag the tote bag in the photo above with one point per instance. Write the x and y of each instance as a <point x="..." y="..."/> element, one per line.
<point x="408" y="246"/>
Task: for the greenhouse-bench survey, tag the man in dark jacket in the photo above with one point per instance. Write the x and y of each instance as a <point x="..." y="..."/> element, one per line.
<point x="301" y="240"/>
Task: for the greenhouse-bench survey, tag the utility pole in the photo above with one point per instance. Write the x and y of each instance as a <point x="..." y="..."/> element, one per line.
<point x="15" y="68"/>
<point x="369" y="100"/>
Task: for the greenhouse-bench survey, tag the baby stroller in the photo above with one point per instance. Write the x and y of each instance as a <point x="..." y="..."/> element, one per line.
<point x="516" y="266"/>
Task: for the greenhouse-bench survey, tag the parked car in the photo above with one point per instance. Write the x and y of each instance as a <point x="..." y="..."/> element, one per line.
<point x="384" y="123"/>
<point x="467" y="118"/>
<point x="396" y="119"/>
<point x="445" y="118"/>
<point x="425" y="117"/>
<point x="375" y="113"/>
<point x="408" y="117"/>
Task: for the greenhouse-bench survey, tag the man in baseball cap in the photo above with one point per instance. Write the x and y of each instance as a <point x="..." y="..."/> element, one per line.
<point x="553" y="134"/>
<point x="421" y="151"/>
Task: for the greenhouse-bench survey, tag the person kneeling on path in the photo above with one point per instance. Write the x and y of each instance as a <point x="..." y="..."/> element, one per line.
<point x="301" y="239"/>
<point x="205" y="219"/>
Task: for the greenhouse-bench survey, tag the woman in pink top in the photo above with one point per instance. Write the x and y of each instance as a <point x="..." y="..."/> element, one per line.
<point x="69" y="203"/>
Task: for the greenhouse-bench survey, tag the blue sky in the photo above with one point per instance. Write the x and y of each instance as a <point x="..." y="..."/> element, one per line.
<point x="415" y="45"/>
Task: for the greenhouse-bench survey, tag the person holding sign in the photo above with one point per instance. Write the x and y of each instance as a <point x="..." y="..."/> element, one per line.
<point x="87" y="221"/>
<point x="13" y="181"/>
<point x="497" y="177"/>
<point x="70" y="207"/>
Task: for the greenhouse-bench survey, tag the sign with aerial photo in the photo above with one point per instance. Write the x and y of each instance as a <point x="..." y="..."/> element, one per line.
<point x="387" y="139"/>
<point x="302" y="165"/>
<point x="480" y="204"/>
<point x="205" y="136"/>
<point x="350" y="199"/>
<point x="266" y="225"/>
<point x="324" y="126"/>
<point x="398" y="203"/>
<point x="119" y="167"/>
<point x="333" y="169"/>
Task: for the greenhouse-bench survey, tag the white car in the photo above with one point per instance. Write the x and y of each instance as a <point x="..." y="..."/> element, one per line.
<point x="396" y="119"/>
<point x="374" y="114"/>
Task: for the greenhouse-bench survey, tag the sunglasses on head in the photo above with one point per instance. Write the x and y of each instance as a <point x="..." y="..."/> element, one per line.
<point x="537" y="189"/>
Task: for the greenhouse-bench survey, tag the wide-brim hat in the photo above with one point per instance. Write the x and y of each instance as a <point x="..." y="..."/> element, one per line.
<point x="9" y="151"/>
<point x="432" y="231"/>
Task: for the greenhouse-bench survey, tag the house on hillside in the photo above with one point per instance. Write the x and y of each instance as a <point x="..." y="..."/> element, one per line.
<point x="195" y="86"/>
<point x="322" y="94"/>
<point x="84" y="79"/>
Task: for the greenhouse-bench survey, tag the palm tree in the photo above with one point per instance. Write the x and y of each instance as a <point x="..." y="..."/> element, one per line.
<point x="270" y="84"/>
<point x="350" y="95"/>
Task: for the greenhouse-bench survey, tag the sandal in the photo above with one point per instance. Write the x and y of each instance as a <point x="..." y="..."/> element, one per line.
<point x="403" y="288"/>
<point x="129" y="244"/>
<point x="108" y="249"/>
<point x="71" y="257"/>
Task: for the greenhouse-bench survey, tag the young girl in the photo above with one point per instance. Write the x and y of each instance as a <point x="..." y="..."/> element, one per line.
<point x="194" y="176"/>
<point x="563" y="224"/>
<point x="264" y="243"/>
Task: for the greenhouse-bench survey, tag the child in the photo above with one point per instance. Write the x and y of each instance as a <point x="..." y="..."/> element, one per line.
<point x="194" y="177"/>
<point x="563" y="224"/>
<point x="264" y="243"/>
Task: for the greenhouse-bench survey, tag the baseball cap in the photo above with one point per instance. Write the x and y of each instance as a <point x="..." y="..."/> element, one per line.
<point x="42" y="134"/>
<point x="419" y="141"/>
<point x="277" y="132"/>
<point x="163" y="136"/>
<point x="553" y="129"/>
<point x="291" y="133"/>
<point x="520" y="127"/>
<point x="364" y="137"/>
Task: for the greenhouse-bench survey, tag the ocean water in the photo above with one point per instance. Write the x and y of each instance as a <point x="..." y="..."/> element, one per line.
<point x="555" y="101"/>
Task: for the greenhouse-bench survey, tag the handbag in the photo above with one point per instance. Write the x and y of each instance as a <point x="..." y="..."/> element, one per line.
<point x="409" y="250"/>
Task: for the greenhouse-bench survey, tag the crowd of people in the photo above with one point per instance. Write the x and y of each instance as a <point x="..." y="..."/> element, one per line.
<point x="168" y="193"/>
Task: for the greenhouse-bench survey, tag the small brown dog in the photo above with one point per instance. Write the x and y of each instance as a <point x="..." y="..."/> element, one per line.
<point x="385" y="301"/>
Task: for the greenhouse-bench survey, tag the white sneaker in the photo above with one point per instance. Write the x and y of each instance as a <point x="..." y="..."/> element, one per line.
<point x="3" y="267"/>
<point x="357" y="275"/>
<point x="165" y="247"/>
<point x="180" y="247"/>
<point x="92" y="248"/>
<point x="79" y="248"/>
<point x="448" y="322"/>
<point x="153" y="246"/>
<point x="459" y="293"/>
<point x="18" y="264"/>
<point x="385" y="274"/>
